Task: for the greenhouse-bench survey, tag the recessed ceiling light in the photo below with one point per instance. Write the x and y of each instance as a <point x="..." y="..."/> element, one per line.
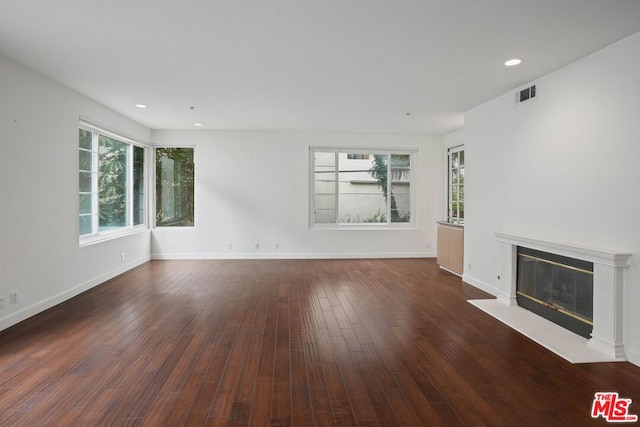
<point x="197" y="124"/>
<point x="512" y="62"/>
<point x="141" y="106"/>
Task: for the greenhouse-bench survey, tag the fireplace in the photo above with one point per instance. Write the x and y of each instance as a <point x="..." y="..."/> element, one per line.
<point x="556" y="287"/>
<point x="606" y="295"/>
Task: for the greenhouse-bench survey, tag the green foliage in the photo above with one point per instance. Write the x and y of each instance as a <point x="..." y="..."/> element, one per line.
<point x="112" y="182"/>
<point x="400" y="168"/>
<point x="378" y="217"/>
<point x="174" y="187"/>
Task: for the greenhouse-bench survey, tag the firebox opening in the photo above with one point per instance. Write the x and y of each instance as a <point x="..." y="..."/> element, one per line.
<point x="557" y="288"/>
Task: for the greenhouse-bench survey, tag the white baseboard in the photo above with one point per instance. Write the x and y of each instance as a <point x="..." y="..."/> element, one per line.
<point x="483" y="286"/>
<point x="104" y="277"/>
<point x="277" y="255"/>
<point x="450" y="271"/>
<point x="40" y="306"/>
<point x="24" y="313"/>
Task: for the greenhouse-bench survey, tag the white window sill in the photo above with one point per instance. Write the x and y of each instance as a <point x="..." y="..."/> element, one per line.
<point x="92" y="240"/>
<point x="386" y="227"/>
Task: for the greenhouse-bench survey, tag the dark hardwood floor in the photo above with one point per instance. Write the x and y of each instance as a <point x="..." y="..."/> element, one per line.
<point x="289" y="342"/>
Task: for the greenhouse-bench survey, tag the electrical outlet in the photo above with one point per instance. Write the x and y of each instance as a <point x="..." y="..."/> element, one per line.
<point x="276" y="246"/>
<point x="256" y="246"/>
<point x="428" y="245"/>
<point x="14" y="297"/>
<point x="469" y="266"/>
<point x="1" y="302"/>
<point x="229" y="246"/>
<point x="122" y="256"/>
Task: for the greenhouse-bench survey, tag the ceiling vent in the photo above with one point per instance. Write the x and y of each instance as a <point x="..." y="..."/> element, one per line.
<point x="528" y="93"/>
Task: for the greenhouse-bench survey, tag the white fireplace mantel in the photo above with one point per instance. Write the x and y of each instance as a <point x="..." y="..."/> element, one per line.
<point x="608" y="285"/>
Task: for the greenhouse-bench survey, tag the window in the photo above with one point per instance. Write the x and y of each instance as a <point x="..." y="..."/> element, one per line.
<point x="361" y="188"/>
<point x="456" y="185"/>
<point x="111" y="182"/>
<point x="174" y="187"/>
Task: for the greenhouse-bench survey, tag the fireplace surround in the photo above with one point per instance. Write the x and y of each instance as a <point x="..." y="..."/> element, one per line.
<point x="608" y="286"/>
<point x="556" y="287"/>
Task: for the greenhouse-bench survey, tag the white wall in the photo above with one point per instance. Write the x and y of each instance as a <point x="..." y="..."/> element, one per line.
<point x="564" y="167"/>
<point x="40" y="257"/>
<point x="253" y="187"/>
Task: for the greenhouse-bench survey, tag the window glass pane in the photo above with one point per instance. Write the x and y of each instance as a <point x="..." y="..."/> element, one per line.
<point x="399" y="198"/>
<point x="361" y="207"/>
<point x="325" y="208"/>
<point x="325" y="188"/>
<point x="361" y="199"/>
<point x="85" y="203"/>
<point x="86" y="175"/>
<point x="138" y="186"/>
<point x="84" y="160"/>
<point x="456" y="184"/>
<point x="112" y="183"/>
<point x="325" y="183"/>
<point x="371" y="188"/>
<point x="84" y="182"/>
<point x="85" y="139"/>
<point x="325" y="173"/>
<point x="167" y="200"/>
<point x="174" y="187"/>
<point x="86" y="225"/>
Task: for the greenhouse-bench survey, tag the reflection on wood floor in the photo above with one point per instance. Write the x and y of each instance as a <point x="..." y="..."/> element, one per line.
<point x="289" y="342"/>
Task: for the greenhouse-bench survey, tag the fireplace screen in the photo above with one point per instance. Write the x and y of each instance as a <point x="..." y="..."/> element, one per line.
<point x="557" y="288"/>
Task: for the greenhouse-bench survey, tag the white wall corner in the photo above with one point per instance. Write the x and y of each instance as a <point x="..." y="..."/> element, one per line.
<point x="633" y="356"/>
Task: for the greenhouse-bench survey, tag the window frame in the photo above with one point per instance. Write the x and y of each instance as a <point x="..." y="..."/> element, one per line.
<point x="96" y="234"/>
<point x="413" y="193"/>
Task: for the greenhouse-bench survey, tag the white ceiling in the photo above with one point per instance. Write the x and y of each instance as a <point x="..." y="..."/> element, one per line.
<point x="336" y="65"/>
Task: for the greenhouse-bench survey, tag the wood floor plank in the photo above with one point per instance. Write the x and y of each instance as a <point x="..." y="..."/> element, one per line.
<point x="261" y="405"/>
<point x="378" y="342"/>
<point x="202" y="402"/>
<point x="357" y="393"/>
<point x="300" y="397"/>
<point x="281" y="394"/>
